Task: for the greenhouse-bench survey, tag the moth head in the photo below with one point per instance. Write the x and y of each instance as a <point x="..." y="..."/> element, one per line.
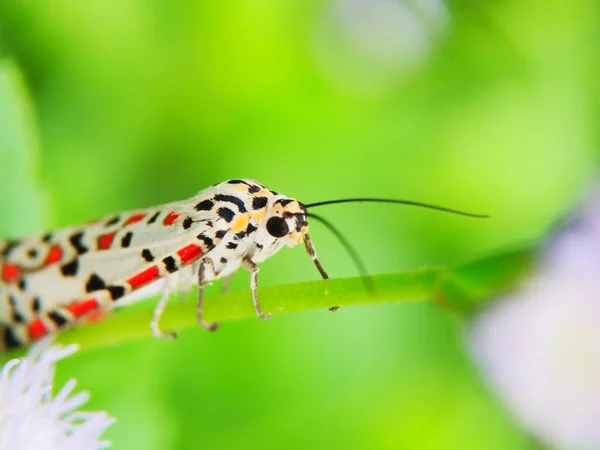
<point x="286" y="220"/>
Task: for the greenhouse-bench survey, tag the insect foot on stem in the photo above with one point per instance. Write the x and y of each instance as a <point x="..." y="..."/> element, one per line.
<point x="209" y="326"/>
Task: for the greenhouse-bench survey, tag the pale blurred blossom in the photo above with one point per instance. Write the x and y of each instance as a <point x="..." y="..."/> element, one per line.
<point x="367" y="45"/>
<point x="540" y="346"/>
<point x="32" y="418"/>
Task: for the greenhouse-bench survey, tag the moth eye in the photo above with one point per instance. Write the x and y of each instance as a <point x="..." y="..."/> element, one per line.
<point x="277" y="227"/>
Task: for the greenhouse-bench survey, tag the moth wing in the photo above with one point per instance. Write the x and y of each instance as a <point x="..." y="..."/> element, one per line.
<point x="111" y="275"/>
<point x="38" y="252"/>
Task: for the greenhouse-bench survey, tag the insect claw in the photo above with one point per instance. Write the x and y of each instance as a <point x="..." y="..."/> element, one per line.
<point x="167" y="335"/>
<point x="265" y="316"/>
<point x="334" y="308"/>
<point x="209" y="326"/>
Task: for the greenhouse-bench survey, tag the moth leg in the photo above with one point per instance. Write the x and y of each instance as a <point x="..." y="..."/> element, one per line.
<point x="210" y="326"/>
<point x="188" y="281"/>
<point x="158" y="311"/>
<point x="226" y="283"/>
<point x="253" y="268"/>
<point x="310" y="248"/>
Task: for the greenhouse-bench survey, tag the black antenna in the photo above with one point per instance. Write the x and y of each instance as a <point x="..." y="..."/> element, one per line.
<point x="398" y="202"/>
<point x="351" y="251"/>
<point x="358" y="262"/>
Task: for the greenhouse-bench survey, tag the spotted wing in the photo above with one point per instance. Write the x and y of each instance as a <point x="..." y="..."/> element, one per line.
<point x="54" y="279"/>
<point x="37" y="252"/>
<point x="103" y="268"/>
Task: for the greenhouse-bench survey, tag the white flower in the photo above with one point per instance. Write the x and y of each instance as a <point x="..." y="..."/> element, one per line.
<point x="540" y="346"/>
<point x="31" y="418"/>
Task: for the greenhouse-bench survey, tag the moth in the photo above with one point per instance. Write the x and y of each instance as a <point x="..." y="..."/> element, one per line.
<point x="53" y="280"/>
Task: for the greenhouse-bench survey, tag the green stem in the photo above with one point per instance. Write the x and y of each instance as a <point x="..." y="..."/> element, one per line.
<point x="133" y="322"/>
<point x="461" y="289"/>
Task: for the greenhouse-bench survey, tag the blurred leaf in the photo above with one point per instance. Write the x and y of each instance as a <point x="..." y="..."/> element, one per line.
<point x="468" y="286"/>
<point x="21" y="200"/>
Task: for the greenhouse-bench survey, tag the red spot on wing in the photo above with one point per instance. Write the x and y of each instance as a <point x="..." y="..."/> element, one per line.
<point x="145" y="276"/>
<point x="37" y="329"/>
<point x="94" y="316"/>
<point x="171" y="218"/>
<point x="189" y="253"/>
<point x="10" y="272"/>
<point x="54" y="254"/>
<point x="135" y="218"/>
<point x="78" y="309"/>
<point x="105" y="240"/>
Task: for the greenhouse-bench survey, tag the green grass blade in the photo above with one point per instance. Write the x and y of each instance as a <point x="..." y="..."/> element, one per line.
<point x="458" y="289"/>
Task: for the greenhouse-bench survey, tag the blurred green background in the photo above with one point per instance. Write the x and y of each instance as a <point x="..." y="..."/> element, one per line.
<point x="487" y="106"/>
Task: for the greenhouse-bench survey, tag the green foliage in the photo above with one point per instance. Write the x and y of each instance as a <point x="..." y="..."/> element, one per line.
<point x="21" y="202"/>
<point x="140" y="103"/>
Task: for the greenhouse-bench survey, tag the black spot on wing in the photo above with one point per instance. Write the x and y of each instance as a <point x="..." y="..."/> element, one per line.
<point x="94" y="283"/>
<point x="126" y="240"/>
<point x="208" y="242"/>
<point x="36" y="304"/>
<point x="204" y="205"/>
<point x="253" y="189"/>
<point x="241" y="235"/>
<point x="223" y="260"/>
<point x="70" y="269"/>
<point x="231" y="245"/>
<point x="113" y="221"/>
<point x="187" y="223"/>
<point x="153" y="218"/>
<point x="32" y="252"/>
<point x="147" y="255"/>
<point x="58" y="319"/>
<point x="116" y="292"/>
<point x="16" y="316"/>
<point x="237" y="182"/>
<point x="75" y="241"/>
<point x="9" y="339"/>
<point x="220" y="234"/>
<point x="259" y="202"/>
<point x="47" y="237"/>
<point x="284" y="201"/>
<point x="22" y="284"/>
<point x="9" y="247"/>
<point x="232" y="199"/>
<point x="226" y="213"/>
<point x="170" y="264"/>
